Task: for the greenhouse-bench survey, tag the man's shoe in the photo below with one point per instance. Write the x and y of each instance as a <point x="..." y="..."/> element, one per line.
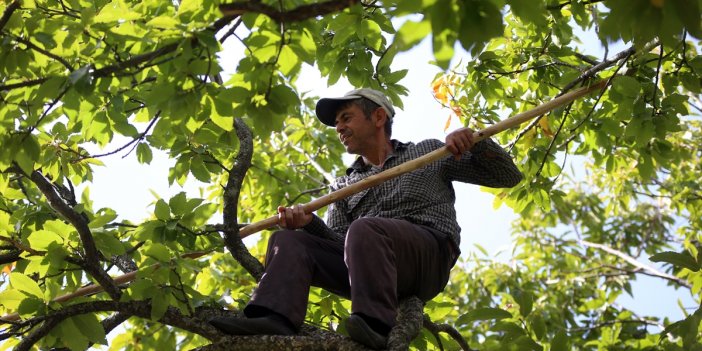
<point x="361" y="332"/>
<point x="268" y="325"/>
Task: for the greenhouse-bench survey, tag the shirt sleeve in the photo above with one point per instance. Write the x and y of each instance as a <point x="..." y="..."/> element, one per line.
<point x="319" y="228"/>
<point x="337" y="222"/>
<point x="487" y="164"/>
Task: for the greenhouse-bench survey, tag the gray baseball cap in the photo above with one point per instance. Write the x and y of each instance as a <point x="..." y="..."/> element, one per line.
<point x="326" y="107"/>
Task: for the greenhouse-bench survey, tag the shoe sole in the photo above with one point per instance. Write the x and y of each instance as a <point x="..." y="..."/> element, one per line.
<point x="362" y="333"/>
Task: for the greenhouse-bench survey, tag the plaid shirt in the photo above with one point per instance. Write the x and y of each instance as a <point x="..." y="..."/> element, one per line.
<point x="424" y="196"/>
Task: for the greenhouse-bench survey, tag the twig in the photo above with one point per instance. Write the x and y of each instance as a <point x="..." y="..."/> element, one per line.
<point x="553" y="140"/>
<point x="45" y="113"/>
<point x="607" y="63"/>
<point x="231" y="30"/>
<point x="655" y="84"/>
<point x="309" y="191"/>
<point x="140" y="137"/>
<point x="619" y="321"/>
<point x="645" y="268"/>
<point x="26" y="83"/>
<point x="623" y="55"/>
<point x="445" y="328"/>
<point x="44" y="52"/>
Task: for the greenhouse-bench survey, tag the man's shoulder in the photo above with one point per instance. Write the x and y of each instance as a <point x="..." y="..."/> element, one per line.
<point x="425" y="146"/>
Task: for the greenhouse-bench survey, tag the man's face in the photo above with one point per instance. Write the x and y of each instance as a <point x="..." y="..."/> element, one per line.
<point x="354" y="129"/>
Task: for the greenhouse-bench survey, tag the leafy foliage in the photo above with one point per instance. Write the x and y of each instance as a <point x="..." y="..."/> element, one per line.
<point x="83" y="75"/>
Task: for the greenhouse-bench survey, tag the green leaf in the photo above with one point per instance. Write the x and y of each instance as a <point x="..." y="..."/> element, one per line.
<point x="114" y="11"/>
<point x="199" y="170"/>
<point x="28" y="153"/>
<point x="525" y="301"/>
<point x="30" y="307"/>
<point x="538" y="326"/>
<point x="626" y="86"/>
<point x="162" y="211"/>
<point x="178" y="203"/>
<point x="71" y="335"/>
<point x="683" y="260"/>
<point x="42" y="239"/>
<point x="11" y="298"/>
<point x="165" y="22"/>
<point x="484" y="313"/>
<point x="560" y="342"/>
<point x="90" y="326"/>
<point x="26" y="285"/>
<point x="104" y="216"/>
<point x="411" y="33"/>
<point x="369" y="32"/>
<point x="200" y="215"/>
<point x="159" y="306"/>
<point x="144" y="155"/>
<point x="159" y="252"/>
<point x="108" y="244"/>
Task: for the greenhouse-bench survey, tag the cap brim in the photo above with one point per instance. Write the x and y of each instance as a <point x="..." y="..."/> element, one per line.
<point x="326" y="108"/>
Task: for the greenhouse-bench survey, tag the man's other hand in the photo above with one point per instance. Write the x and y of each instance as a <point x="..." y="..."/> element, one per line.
<point x="293" y="217"/>
<point x="459" y="141"/>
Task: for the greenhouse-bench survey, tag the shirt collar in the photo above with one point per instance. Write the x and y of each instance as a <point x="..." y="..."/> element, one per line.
<point x="360" y="166"/>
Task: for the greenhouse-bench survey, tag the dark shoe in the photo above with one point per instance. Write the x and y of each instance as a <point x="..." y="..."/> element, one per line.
<point x="361" y="332"/>
<point x="268" y="325"/>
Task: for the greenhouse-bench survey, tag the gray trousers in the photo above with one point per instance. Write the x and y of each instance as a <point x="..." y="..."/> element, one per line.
<point x="381" y="261"/>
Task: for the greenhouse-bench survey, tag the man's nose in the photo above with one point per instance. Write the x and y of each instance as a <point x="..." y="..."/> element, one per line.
<point x="339" y="127"/>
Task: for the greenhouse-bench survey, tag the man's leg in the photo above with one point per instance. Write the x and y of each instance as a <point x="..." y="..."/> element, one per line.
<point x="296" y="260"/>
<point x="390" y="259"/>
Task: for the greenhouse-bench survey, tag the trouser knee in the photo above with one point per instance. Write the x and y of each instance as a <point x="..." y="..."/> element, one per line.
<point x="363" y="232"/>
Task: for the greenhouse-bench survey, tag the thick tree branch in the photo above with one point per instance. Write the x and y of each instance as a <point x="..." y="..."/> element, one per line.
<point x="242" y="163"/>
<point x="299" y="13"/>
<point x="35" y="335"/>
<point x="9" y="257"/>
<point x="92" y="257"/>
<point x="409" y="323"/>
<point x="172" y="317"/>
<point x="9" y="10"/>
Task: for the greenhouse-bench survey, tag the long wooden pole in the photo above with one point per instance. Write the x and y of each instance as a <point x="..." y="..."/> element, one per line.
<point x="366" y="183"/>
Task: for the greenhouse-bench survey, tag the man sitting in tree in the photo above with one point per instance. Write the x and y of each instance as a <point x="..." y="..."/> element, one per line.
<point x="395" y="240"/>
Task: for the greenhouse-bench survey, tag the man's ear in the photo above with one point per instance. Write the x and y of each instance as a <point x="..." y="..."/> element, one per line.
<point x="381" y="118"/>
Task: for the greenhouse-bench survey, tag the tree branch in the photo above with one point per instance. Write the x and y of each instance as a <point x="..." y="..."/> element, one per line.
<point x="26" y="83"/>
<point x="632" y="261"/>
<point x="172" y="317"/>
<point x="44" y="52"/>
<point x="451" y="331"/>
<point x="242" y="163"/>
<point x="589" y="73"/>
<point x="299" y="13"/>
<point x="409" y="323"/>
<point x="9" y="10"/>
<point x="136" y="139"/>
<point x="9" y="257"/>
<point x="564" y="4"/>
<point x="91" y="264"/>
